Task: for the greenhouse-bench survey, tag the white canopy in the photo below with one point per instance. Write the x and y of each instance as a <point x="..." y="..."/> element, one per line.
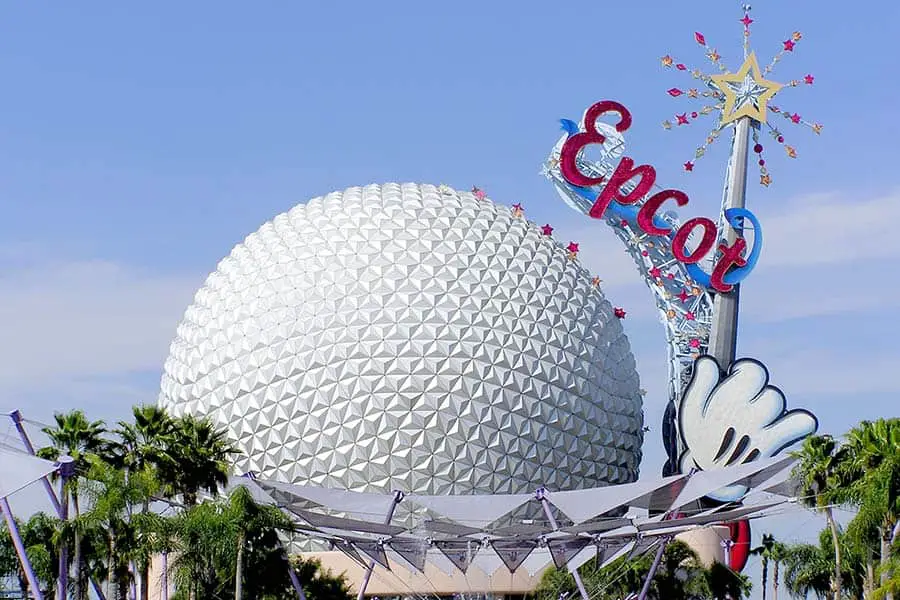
<point x="18" y="470"/>
<point x="481" y="530"/>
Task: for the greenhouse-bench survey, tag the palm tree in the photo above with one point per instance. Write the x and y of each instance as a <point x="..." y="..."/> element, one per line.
<point x="764" y="552"/>
<point x="257" y="527"/>
<point x="112" y="493"/>
<point x="76" y="436"/>
<point x="141" y="446"/>
<point x="681" y="576"/>
<point x="808" y="570"/>
<point x="874" y="462"/>
<point x="197" y="459"/>
<point x="776" y="555"/>
<point x="819" y="473"/>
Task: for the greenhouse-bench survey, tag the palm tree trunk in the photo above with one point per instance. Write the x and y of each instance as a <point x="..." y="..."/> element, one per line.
<point x="144" y="575"/>
<point x="76" y="555"/>
<point x="111" y="567"/>
<point x="765" y="576"/>
<point x="836" y="540"/>
<point x="885" y="555"/>
<point x="775" y="566"/>
<point x="239" y="568"/>
<point x="870" y="577"/>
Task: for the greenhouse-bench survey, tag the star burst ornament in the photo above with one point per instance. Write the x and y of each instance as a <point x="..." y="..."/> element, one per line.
<point x="746" y="93"/>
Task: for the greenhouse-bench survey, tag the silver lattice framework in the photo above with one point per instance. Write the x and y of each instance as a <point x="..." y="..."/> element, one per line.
<point x="685" y="308"/>
<point x="410" y="337"/>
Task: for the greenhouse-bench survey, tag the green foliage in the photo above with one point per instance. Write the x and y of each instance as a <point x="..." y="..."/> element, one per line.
<point x="680" y="576"/>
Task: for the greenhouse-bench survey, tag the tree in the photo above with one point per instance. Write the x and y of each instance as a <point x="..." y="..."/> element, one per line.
<point x="198" y="458"/>
<point x="680" y="576"/>
<point x="318" y="583"/>
<point x="76" y="436"/>
<point x="809" y="569"/>
<point x="819" y="472"/>
<point x="873" y="463"/>
<point x="776" y="555"/>
<point x="142" y="446"/>
<point x="764" y="552"/>
<point x="112" y="492"/>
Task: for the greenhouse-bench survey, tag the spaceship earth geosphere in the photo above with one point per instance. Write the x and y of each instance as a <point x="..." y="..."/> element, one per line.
<point x="410" y="337"/>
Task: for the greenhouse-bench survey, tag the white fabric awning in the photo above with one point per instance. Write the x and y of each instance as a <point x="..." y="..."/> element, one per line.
<point x="18" y="470"/>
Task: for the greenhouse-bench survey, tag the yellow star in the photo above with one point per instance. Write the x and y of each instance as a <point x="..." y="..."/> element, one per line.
<point x="755" y="92"/>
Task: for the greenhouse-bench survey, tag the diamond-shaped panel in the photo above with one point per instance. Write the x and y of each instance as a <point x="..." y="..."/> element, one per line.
<point x="410" y="337"/>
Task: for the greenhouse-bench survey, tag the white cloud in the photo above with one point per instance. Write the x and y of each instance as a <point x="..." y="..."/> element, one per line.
<point x="64" y="321"/>
<point x="830" y="229"/>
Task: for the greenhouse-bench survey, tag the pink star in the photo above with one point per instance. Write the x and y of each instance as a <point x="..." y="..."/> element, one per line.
<point x="546" y="229"/>
<point x="746" y="20"/>
<point x="795" y="118"/>
<point x="623" y="223"/>
<point x="655" y="272"/>
<point x="517" y="207"/>
<point x="478" y="193"/>
<point x="619" y="312"/>
<point x="688" y="166"/>
<point x="789" y="45"/>
<point x="683" y="296"/>
<point x="689" y="316"/>
<point x="572" y="247"/>
<point x="809" y="79"/>
<point x="695" y="343"/>
<point x="682" y="119"/>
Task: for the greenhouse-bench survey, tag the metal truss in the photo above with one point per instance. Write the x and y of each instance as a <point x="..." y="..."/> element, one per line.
<point x="685" y="307"/>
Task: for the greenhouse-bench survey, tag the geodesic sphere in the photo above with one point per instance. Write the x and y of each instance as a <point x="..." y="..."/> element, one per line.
<point x="410" y="337"/>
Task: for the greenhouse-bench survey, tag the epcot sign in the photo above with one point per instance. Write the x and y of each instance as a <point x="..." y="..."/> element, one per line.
<point x="730" y="268"/>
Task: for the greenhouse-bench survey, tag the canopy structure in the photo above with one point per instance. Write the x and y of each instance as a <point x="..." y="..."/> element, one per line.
<point x="522" y="531"/>
<point x="19" y="470"/>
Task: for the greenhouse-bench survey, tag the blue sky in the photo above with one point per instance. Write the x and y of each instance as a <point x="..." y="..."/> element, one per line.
<point x="139" y="143"/>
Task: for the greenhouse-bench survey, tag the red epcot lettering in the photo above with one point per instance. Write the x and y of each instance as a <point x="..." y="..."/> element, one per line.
<point x="731" y="257"/>
<point x="651" y="207"/>
<point x="625" y="172"/>
<point x="572" y="146"/>
<point x="679" y="242"/>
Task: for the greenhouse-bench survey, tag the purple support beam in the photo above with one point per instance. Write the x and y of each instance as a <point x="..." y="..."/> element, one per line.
<point x="66" y="469"/>
<point x="33" y="582"/>
<point x="295" y="582"/>
<point x="541" y="496"/>
<point x="653" y="568"/>
<point x="16" y="417"/>
<point x="398" y="498"/>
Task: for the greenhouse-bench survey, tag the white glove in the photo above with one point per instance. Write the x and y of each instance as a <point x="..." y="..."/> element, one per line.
<point x="736" y="419"/>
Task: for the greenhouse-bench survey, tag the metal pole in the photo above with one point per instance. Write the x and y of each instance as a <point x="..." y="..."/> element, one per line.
<point x="659" y="554"/>
<point x="295" y="582"/>
<point x="20" y="550"/>
<point x="16" y="417"/>
<point x="398" y="497"/>
<point x="66" y="469"/>
<point x="723" y="335"/>
<point x="541" y="496"/>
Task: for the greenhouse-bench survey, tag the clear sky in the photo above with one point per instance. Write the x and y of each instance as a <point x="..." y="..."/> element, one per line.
<point x="139" y="143"/>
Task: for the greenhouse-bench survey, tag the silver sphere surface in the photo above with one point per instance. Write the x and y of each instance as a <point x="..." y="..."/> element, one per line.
<point x="410" y="337"/>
